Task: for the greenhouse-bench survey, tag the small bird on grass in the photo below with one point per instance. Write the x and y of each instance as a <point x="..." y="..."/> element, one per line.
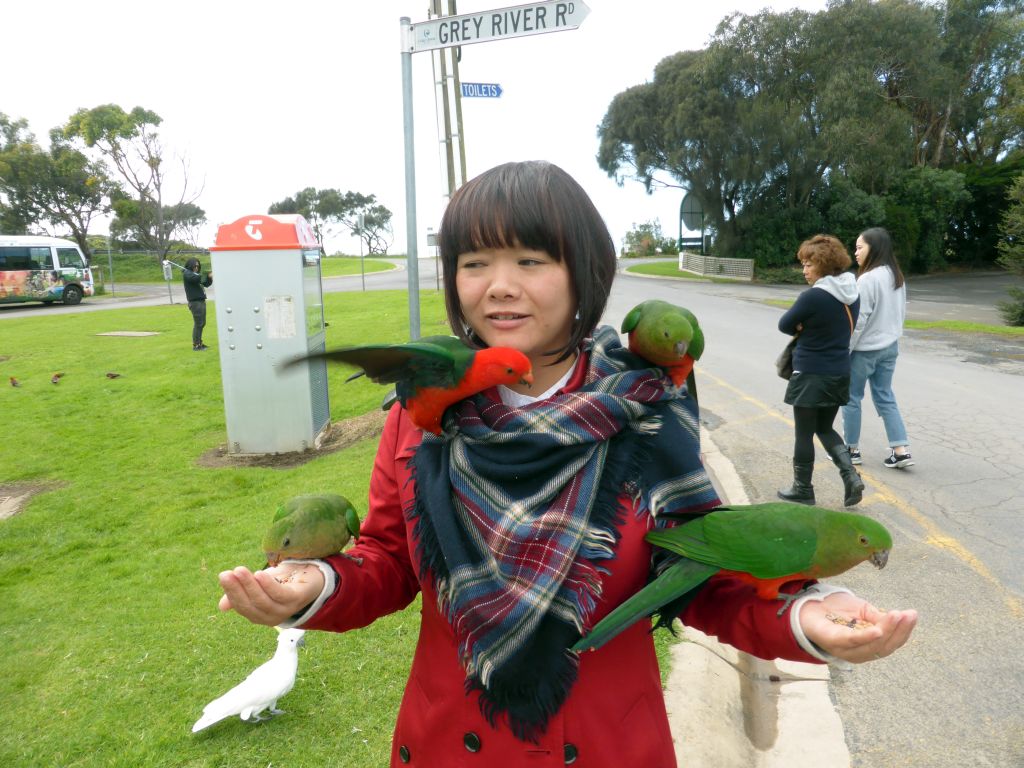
<point x="310" y="527"/>
<point x="262" y="688"/>
<point x="112" y="375"/>
<point x="56" y="377"/>
<point x="14" y="382"/>
<point x="432" y="373"/>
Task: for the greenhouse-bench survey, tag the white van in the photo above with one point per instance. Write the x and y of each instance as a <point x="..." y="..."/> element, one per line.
<point x="45" y="269"/>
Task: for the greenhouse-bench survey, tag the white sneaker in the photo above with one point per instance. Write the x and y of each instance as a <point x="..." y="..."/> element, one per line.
<point x="899" y="461"/>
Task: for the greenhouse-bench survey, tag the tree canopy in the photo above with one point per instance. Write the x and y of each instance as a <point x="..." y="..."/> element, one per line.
<point x="58" y="191"/>
<point x="147" y="211"/>
<point x="327" y="209"/>
<point x="788" y="123"/>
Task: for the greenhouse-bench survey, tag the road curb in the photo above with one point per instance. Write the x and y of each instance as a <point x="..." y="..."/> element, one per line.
<point x="728" y="709"/>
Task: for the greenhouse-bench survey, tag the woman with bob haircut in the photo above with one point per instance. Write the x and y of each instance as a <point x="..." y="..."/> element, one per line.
<point x="822" y="318"/>
<point x="523" y="523"/>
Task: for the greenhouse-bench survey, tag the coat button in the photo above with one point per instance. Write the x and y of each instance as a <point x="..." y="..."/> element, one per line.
<point x="403" y="754"/>
<point x="571" y="754"/>
<point x="472" y="741"/>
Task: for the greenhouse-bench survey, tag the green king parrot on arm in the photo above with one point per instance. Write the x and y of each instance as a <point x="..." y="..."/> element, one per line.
<point x="668" y="336"/>
<point x="310" y="527"/>
<point x="766" y="545"/>
<point x="433" y="373"/>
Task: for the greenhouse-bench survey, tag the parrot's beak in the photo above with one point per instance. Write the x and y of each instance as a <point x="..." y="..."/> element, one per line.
<point x="273" y="559"/>
<point x="880" y="558"/>
<point x="680" y="348"/>
<point x="527" y="378"/>
<point x="301" y="642"/>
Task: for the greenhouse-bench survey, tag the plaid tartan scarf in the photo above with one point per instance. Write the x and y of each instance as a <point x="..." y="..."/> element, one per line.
<point x="516" y="509"/>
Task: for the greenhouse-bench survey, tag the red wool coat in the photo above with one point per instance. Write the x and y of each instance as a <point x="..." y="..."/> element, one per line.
<point x="615" y="713"/>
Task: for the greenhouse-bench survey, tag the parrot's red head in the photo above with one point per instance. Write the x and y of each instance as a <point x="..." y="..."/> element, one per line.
<point x="500" y="365"/>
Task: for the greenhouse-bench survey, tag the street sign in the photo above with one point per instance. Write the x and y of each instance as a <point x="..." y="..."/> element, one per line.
<point x="449" y="32"/>
<point x="497" y="24"/>
<point x="486" y="90"/>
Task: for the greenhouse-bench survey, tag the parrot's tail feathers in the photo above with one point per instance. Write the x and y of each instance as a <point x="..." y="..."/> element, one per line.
<point x="678" y="579"/>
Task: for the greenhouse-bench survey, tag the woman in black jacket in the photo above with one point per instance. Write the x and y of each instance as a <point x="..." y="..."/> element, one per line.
<point x="823" y="319"/>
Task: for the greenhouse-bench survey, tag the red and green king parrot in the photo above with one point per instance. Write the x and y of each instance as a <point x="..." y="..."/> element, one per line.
<point x="766" y="545"/>
<point x="666" y="335"/>
<point x="433" y="373"/>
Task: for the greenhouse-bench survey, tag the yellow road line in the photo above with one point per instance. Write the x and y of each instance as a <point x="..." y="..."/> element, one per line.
<point x="934" y="535"/>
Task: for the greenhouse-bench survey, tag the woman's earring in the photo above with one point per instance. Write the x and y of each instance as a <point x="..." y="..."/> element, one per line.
<point x="577" y="316"/>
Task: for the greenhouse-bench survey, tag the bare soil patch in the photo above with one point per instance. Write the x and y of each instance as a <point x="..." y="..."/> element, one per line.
<point x="339" y="435"/>
<point x="14" y="496"/>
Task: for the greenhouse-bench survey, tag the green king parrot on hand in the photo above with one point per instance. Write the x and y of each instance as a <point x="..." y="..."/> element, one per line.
<point x="668" y="336"/>
<point x="766" y="545"/>
<point x="310" y="527"/>
<point x="433" y="373"/>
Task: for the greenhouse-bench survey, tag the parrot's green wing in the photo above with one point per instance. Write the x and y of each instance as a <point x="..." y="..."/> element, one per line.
<point x="696" y="348"/>
<point x="282" y="512"/>
<point x="432" y="361"/>
<point x="629" y="322"/>
<point x="352" y="521"/>
<point x="765" y="540"/>
<point x="438" y="360"/>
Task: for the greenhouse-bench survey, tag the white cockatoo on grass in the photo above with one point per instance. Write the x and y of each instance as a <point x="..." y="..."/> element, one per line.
<point x="262" y="688"/>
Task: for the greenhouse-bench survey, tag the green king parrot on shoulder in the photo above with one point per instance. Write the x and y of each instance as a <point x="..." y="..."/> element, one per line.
<point x="766" y="545"/>
<point x="432" y="373"/>
<point x="668" y="336"/>
<point x="310" y="527"/>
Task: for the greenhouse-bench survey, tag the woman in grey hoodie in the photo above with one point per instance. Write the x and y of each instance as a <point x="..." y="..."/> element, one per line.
<point x="875" y="345"/>
<point x="823" y="318"/>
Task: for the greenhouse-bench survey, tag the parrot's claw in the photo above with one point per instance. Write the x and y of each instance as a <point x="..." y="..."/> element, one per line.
<point x="353" y="558"/>
<point x="787" y="600"/>
<point x="276" y="712"/>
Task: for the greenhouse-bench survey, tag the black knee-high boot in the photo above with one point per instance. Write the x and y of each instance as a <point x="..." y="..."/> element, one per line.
<point x="801" y="491"/>
<point x="853" y="486"/>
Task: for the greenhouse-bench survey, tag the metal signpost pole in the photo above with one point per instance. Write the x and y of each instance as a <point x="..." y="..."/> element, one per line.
<point x="110" y="264"/>
<point x="410" y="182"/>
<point x="360" y="223"/>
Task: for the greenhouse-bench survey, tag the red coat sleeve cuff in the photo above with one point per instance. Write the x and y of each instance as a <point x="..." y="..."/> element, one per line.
<point x="731" y="611"/>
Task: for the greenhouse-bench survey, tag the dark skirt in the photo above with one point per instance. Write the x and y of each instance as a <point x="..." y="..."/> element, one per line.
<point x="816" y="390"/>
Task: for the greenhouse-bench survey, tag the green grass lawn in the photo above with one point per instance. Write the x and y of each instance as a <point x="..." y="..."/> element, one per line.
<point x="671" y="269"/>
<point x="336" y="266"/>
<point x="112" y="642"/>
<point x="144" y="268"/>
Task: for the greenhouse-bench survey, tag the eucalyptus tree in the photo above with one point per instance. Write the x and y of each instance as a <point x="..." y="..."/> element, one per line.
<point x="327" y="210"/>
<point x="59" y="190"/>
<point x="130" y="143"/>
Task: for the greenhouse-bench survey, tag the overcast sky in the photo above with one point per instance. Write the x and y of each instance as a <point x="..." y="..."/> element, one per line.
<point x="264" y="99"/>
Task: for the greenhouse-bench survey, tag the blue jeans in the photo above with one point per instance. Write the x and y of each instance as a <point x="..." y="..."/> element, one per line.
<point x="875" y="368"/>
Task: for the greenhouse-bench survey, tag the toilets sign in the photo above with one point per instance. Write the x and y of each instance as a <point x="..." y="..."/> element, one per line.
<point x="485" y="90"/>
<point x="498" y="24"/>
